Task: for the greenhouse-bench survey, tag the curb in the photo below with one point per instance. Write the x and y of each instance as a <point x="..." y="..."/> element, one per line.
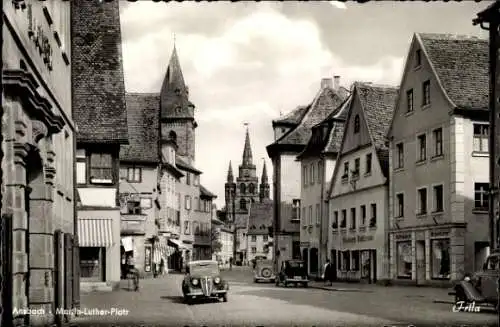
<point x="353" y="290"/>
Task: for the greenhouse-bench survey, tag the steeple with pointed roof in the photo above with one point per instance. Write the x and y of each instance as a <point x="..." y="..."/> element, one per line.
<point x="174" y="94"/>
<point x="247" y="152"/>
<point x="264" y="191"/>
<point x="230" y="177"/>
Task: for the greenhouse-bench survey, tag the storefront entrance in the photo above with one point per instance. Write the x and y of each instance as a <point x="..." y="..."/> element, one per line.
<point x="92" y="263"/>
<point x="420" y="256"/>
<point x="333" y="261"/>
<point x="369" y="266"/>
<point x="313" y="264"/>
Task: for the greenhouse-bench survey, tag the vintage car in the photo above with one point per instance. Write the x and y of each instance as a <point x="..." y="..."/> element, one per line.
<point x="264" y="271"/>
<point x="482" y="287"/>
<point x="292" y="272"/>
<point x="203" y="281"/>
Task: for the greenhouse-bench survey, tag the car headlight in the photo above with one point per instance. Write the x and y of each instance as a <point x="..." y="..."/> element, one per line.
<point x="194" y="282"/>
<point x="216" y="280"/>
<point x="467" y="278"/>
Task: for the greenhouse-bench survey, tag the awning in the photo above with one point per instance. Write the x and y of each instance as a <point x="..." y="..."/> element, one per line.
<point x="95" y="232"/>
<point x="176" y="243"/>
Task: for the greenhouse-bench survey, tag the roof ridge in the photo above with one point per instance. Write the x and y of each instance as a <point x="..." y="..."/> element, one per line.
<point x="142" y="93"/>
<point x="451" y="36"/>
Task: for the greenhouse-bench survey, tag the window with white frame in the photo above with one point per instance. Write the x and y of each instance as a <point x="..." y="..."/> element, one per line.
<point x="101" y="168"/>
<point x="353" y="218"/>
<point x="187" y="200"/>
<point x="134" y="174"/>
<point x="346" y="170"/>
<point x="320" y="172"/>
<point x="355" y="173"/>
<point x="254" y="238"/>
<point x="343" y="222"/>
<point x="438" y="200"/>
<point x="409" y="100"/>
<point x="335" y="223"/>
<point x="310" y="215"/>
<point x="481" y="198"/>
<point x="318" y="214"/>
<point x="481" y="138"/>
<point x="438" y="142"/>
<point x="304" y="217"/>
<point x="346" y="260"/>
<point x="368" y="164"/>
<point x="304" y="175"/>
<point x="373" y="215"/>
<point x="81" y="167"/>
<point x="426" y="93"/>
<point x="422" y="201"/>
<point x="400" y="205"/>
<point x="312" y="174"/>
<point x="254" y="249"/>
<point x="187" y="231"/>
<point x="422" y="147"/>
<point x="363" y="215"/>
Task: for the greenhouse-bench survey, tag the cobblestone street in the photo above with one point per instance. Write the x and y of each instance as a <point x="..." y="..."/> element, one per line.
<point x="159" y="303"/>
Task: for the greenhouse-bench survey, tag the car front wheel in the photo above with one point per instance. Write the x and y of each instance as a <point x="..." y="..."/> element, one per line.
<point x="224" y="298"/>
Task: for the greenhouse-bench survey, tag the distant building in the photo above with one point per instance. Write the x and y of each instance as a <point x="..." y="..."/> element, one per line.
<point x="38" y="158"/>
<point x="225" y="236"/>
<point x="240" y="196"/>
<point x="139" y="197"/>
<point x="439" y="161"/>
<point x="358" y="197"/>
<point x="317" y="164"/>
<point x="99" y="109"/>
<point x="292" y="133"/>
<point x="260" y="222"/>
<point x="202" y="221"/>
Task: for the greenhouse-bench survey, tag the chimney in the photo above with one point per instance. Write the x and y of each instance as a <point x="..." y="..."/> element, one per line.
<point x="336" y="82"/>
<point x="326" y="82"/>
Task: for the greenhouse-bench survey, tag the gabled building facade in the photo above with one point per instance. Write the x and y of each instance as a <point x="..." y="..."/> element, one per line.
<point x="260" y="221"/>
<point x="38" y="219"/>
<point x="99" y="110"/>
<point x="292" y="133"/>
<point x="202" y="222"/>
<point x="317" y="165"/>
<point x="359" y="192"/>
<point x="139" y="196"/>
<point x="439" y="161"/>
<point x="225" y="236"/>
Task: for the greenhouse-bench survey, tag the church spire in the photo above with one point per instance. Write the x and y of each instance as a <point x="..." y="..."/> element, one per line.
<point x="230" y="177"/>
<point x="247" y="150"/>
<point x="174" y="94"/>
<point x="264" y="178"/>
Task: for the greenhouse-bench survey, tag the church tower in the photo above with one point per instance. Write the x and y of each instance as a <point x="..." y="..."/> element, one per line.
<point x="264" y="191"/>
<point x="176" y="111"/>
<point x="247" y="180"/>
<point x="230" y="188"/>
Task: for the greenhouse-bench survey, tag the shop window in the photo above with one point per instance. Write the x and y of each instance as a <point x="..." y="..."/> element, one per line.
<point x="404" y="259"/>
<point x="346" y="262"/>
<point x="440" y="258"/>
<point x="91" y="263"/>
<point x="355" y="260"/>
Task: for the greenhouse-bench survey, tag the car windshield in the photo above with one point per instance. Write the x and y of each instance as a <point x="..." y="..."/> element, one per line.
<point x="205" y="269"/>
<point x="493" y="263"/>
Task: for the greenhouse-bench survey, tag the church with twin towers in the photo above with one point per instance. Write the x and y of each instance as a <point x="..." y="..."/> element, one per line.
<point x="244" y="190"/>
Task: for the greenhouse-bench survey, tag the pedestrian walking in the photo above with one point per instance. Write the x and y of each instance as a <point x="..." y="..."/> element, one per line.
<point x="133" y="271"/>
<point x="328" y="273"/>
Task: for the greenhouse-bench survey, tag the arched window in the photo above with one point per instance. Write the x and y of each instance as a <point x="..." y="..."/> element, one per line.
<point x="356" y="124"/>
<point x="251" y="188"/>
<point x="172" y="136"/>
<point x="243" y="204"/>
<point x="243" y="188"/>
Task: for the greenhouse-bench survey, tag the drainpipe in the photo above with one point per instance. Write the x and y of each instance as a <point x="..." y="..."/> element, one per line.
<point x="322" y="221"/>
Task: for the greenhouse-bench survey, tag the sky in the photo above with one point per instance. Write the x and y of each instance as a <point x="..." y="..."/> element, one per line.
<point x="250" y="62"/>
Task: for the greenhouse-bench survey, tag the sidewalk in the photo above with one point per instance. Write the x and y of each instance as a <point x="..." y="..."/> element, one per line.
<point x="435" y="295"/>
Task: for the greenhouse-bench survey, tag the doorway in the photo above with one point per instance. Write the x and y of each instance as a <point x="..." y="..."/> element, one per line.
<point x="305" y="258"/>
<point x="481" y="252"/>
<point x="333" y="261"/>
<point x="314" y="262"/>
<point x="420" y="256"/>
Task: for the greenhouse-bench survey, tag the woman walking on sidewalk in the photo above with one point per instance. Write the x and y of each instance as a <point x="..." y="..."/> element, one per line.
<point x="328" y="273"/>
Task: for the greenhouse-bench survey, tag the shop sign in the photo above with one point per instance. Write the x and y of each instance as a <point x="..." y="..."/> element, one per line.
<point x="440" y="233"/>
<point x="304" y="244"/>
<point x="147" y="259"/>
<point x="39" y="38"/>
<point x="359" y="238"/>
<point x="400" y="237"/>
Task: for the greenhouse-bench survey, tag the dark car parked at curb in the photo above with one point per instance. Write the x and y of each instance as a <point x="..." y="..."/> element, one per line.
<point x="293" y="272"/>
<point x="203" y="281"/>
<point x="482" y="287"/>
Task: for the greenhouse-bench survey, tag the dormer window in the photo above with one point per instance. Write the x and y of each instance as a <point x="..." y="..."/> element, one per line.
<point x="356" y="124"/>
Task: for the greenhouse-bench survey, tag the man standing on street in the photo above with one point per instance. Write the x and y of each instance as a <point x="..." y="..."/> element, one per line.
<point x="328" y="273"/>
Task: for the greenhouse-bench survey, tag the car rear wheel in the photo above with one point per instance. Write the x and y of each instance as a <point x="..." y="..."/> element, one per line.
<point x="266" y="272"/>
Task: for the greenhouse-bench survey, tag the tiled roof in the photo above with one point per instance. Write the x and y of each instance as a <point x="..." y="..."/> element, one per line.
<point x="205" y="192"/>
<point x="335" y="138"/>
<point x="461" y="63"/>
<point x="180" y="163"/>
<point x="97" y="72"/>
<point x="324" y="103"/>
<point x="261" y="218"/>
<point x="143" y="113"/>
<point x="378" y="103"/>
<point x="292" y="118"/>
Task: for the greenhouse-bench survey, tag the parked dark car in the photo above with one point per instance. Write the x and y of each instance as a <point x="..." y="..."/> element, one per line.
<point x="482" y="287"/>
<point x="203" y="281"/>
<point x="292" y="272"/>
